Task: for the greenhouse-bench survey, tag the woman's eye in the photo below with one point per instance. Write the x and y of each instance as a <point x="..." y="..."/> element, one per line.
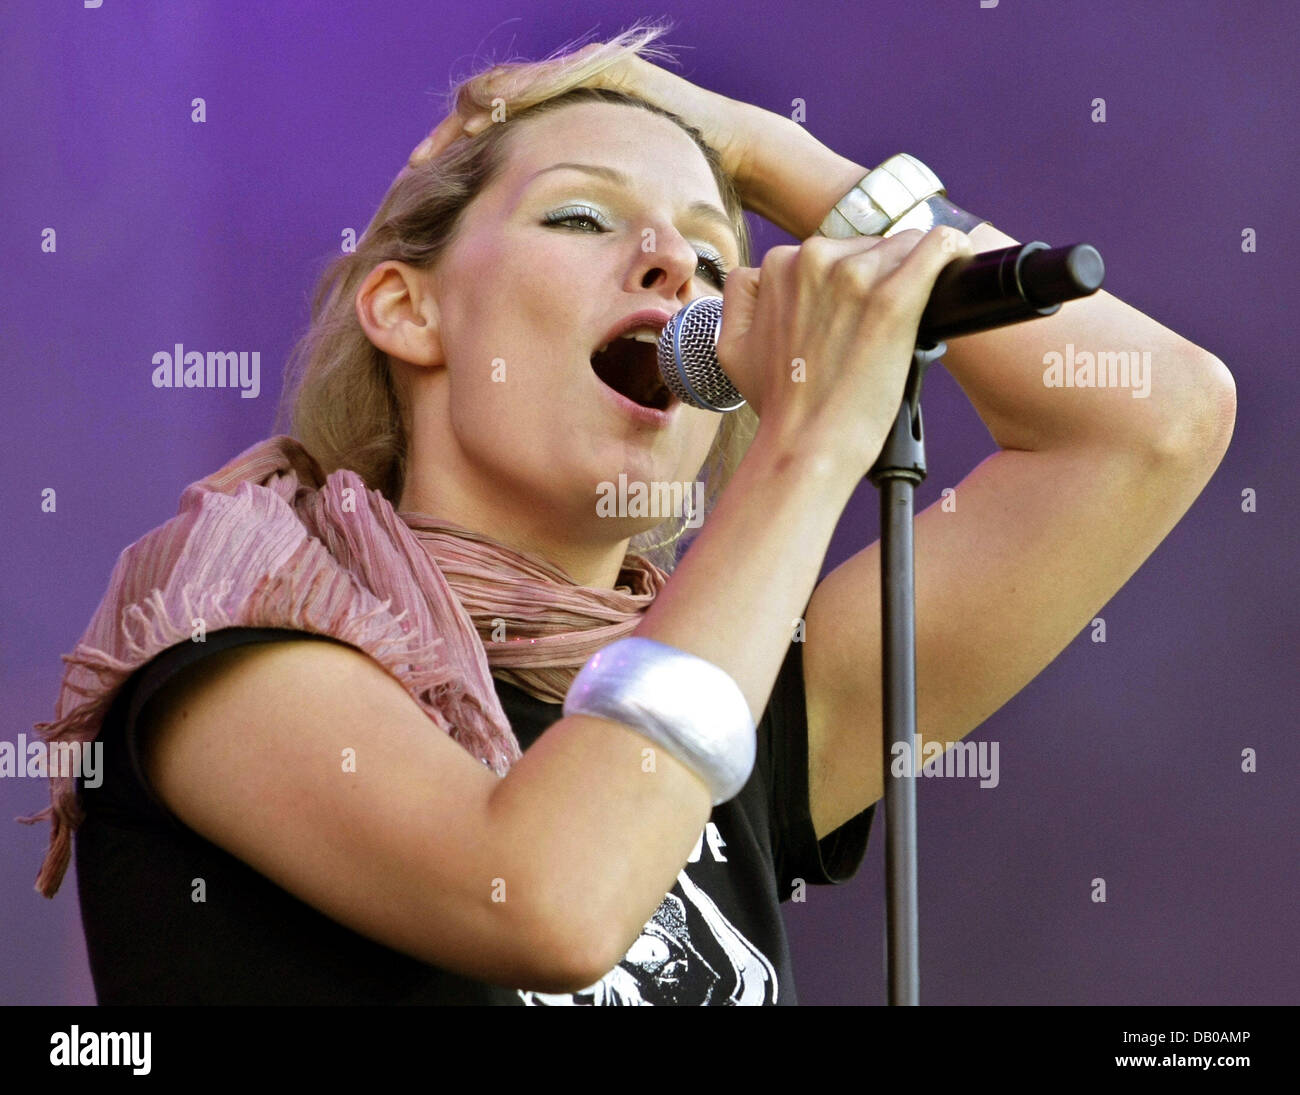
<point x="565" y="216"/>
<point x="712" y="266"/>
<point x="717" y="272"/>
<point x="579" y="217"/>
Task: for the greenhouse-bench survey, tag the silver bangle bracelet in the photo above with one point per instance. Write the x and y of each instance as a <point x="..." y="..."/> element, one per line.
<point x="687" y="705"/>
<point x="901" y="193"/>
<point x="934" y="211"/>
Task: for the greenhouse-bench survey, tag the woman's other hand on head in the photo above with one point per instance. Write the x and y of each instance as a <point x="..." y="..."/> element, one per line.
<point x="491" y="96"/>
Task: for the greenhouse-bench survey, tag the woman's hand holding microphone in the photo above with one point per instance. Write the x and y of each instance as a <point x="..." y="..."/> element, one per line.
<point x="819" y="339"/>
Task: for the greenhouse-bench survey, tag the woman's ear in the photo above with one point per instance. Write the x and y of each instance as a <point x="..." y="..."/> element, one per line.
<point x="396" y="308"/>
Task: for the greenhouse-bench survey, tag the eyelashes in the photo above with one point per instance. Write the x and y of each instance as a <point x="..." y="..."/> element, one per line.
<point x="712" y="262"/>
<point x="578" y="212"/>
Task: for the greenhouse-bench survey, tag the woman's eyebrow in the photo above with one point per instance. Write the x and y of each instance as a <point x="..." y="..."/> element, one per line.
<point x="702" y="210"/>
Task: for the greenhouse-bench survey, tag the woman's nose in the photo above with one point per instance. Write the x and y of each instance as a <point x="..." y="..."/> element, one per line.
<point x="665" y="261"/>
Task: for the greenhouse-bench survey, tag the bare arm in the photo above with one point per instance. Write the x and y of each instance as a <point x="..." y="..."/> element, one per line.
<point x="1087" y="482"/>
<point x="411" y="848"/>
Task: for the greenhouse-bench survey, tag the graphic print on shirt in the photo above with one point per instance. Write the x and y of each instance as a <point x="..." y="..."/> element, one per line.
<point x="688" y="953"/>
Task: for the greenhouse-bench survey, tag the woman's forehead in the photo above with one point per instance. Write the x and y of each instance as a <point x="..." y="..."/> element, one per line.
<point x="623" y="139"/>
<point x="619" y="146"/>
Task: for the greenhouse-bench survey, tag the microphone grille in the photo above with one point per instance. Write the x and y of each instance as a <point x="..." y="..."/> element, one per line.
<point x="688" y="358"/>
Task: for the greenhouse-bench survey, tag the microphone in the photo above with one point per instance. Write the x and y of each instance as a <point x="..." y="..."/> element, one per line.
<point x="972" y="293"/>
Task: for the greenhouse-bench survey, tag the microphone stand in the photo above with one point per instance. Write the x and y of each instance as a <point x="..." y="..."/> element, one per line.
<point x="1043" y="278"/>
<point x="896" y="472"/>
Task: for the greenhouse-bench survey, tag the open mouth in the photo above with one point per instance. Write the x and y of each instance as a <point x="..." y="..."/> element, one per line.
<point x="631" y="368"/>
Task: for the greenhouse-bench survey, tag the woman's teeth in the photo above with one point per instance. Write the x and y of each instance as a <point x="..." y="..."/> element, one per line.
<point x="639" y="334"/>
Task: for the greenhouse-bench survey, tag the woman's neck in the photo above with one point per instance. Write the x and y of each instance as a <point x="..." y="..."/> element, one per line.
<point x="595" y="565"/>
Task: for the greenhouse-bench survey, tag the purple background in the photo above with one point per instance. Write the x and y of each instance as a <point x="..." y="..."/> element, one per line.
<point x="1120" y="760"/>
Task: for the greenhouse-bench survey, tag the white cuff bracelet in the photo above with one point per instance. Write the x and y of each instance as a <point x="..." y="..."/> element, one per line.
<point x="901" y="193"/>
<point x="689" y="706"/>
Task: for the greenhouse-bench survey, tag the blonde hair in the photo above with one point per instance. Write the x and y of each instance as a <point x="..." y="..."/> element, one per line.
<point x="340" y="397"/>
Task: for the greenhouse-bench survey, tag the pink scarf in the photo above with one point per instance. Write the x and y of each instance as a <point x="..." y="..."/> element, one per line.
<point x="269" y="541"/>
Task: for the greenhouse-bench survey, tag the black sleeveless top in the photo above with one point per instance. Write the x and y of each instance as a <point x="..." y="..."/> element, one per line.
<point x="717" y="938"/>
